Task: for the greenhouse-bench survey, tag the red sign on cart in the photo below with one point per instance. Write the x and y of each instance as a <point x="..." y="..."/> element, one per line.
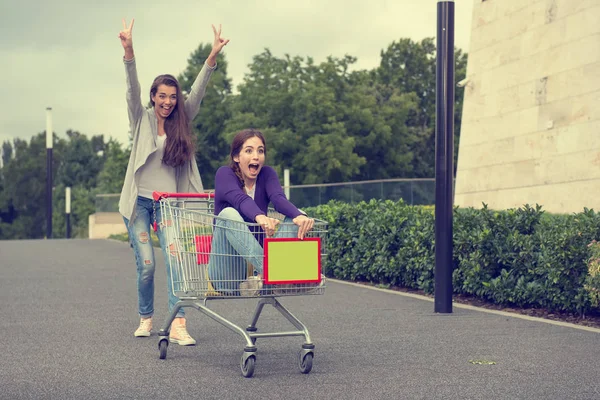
<point x="291" y="260"/>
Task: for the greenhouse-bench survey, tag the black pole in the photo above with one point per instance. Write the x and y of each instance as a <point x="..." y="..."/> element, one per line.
<point x="68" y="210"/>
<point x="49" y="193"/>
<point x="444" y="156"/>
<point x="68" y="218"/>
<point x="49" y="173"/>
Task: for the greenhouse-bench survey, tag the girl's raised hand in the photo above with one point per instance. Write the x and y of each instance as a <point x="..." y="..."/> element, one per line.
<point x="218" y="42"/>
<point x="125" y="35"/>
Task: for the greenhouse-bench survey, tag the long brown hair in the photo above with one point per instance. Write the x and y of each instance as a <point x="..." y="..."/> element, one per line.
<point x="180" y="146"/>
<point x="236" y="147"/>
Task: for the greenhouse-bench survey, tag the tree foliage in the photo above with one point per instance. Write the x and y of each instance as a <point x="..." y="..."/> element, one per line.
<point x="112" y="174"/>
<point x="76" y="163"/>
<point x="410" y="67"/>
<point x="22" y="202"/>
<point x="325" y="121"/>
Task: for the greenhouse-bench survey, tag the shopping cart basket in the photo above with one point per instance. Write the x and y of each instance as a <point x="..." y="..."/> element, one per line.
<point x="216" y="258"/>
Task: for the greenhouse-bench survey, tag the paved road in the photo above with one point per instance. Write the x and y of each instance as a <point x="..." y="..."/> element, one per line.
<point x="69" y="310"/>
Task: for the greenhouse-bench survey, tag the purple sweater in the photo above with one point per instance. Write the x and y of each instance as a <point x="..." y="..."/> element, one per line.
<point x="228" y="193"/>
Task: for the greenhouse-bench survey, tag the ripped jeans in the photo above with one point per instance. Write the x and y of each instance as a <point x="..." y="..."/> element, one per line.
<point x="139" y="236"/>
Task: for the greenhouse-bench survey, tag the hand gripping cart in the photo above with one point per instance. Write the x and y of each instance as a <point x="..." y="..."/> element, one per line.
<point x="218" y="258"/>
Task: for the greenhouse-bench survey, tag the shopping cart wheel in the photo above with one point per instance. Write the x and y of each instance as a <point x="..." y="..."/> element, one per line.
<point x="305" y="360"/>
<point x="247" y="364"/>
<point x="162" y="347"/>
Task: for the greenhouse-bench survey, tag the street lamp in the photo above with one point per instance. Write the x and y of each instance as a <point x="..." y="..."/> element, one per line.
<point x="49" y="172"/>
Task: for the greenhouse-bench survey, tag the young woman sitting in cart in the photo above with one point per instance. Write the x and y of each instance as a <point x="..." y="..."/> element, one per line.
<point x="243" y="191"/>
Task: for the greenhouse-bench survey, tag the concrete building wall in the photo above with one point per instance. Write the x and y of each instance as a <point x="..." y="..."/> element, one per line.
<point x="531" y="116"/>
<point x="103" y="224"/>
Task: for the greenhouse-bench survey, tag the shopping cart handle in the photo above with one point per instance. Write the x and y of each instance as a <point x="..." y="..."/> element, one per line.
<point x="163" y="195"/>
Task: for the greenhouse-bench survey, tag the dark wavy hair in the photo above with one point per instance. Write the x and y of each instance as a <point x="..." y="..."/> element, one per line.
<point x="180" y="146"/>
<point x="236" y="147"/>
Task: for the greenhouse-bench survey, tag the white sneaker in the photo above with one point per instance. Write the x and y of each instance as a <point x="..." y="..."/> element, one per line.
<point x="145" y="328"/>
<point x="179" y="333"/>
<point x="251" y="287"/>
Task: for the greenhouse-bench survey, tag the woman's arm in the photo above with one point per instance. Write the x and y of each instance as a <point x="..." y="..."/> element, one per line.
<point x="134" y="101"/>
<point x="192" y="103"/>
<point x="276" y="196"/>
<point x="227" y="188"/>
<point x="283" y="205"/>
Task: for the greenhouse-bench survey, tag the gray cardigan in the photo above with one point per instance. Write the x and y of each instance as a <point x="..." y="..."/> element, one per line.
<point x="144" y="130"/>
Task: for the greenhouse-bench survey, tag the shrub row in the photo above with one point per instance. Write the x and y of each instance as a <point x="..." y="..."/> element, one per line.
<point x="522" y="257"/>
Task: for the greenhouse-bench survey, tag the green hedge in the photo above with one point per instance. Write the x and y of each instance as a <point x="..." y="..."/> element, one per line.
<point x="523" y="257"/>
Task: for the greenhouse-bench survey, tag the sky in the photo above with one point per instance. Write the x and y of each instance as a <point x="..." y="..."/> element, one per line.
<point x="65" y="54"/>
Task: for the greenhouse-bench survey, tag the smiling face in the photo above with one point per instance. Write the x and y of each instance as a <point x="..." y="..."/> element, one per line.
<point x="251" y="159"/>
<point x="164" y="100"/>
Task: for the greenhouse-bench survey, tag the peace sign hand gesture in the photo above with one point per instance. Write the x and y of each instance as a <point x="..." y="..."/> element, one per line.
<point x="126" y="39"/>
<point x="218" y="44"/>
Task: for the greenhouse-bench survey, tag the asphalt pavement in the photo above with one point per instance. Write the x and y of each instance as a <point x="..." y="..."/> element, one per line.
<point x="68" y="312"/>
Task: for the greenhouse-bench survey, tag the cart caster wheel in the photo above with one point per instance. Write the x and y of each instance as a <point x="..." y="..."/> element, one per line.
<point x="162" y="347"/>
<point x="305" y="361"/>
<point x="247" y="365"/>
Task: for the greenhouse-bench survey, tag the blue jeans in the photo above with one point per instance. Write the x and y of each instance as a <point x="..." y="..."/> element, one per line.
<point x="139" y="237"/>
<point x="234" y="246"/>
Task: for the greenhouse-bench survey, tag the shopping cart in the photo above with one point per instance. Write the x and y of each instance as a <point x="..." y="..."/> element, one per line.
<point x="216" y="258"/>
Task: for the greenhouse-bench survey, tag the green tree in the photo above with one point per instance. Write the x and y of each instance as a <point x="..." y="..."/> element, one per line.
<point x="295" y="102"/>
<point x="5" y="213"/>
<point x="330" y="156"/>
<point x="81" y="163"/>
<point x="376" y="117"/>
<point x="112" y="174"/>
<point x="7" y="152"/>
<point x="82" y="206"/>
<point x="76" y="163"/>
<point x="209" y="124"/>
<point x="23" y="205"/>
<point x="82" y="160"/>
<point x="410" y="67"/>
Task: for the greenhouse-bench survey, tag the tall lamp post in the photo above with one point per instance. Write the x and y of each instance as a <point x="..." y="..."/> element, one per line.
<point x="444" y="156"/>
<point x="48" y="172"/>
<point x="68" y="210"/>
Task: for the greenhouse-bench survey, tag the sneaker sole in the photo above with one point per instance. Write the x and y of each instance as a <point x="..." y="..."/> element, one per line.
<point x="183" y="342"/>
<point x="142" y="334"/>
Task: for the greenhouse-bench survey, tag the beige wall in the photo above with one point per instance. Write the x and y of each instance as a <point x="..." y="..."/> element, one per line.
<point x="531" y="118"/>
<point x="102" y="225"/>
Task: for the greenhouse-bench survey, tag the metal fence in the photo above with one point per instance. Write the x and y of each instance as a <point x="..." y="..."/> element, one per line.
<point x="107" y="202"/>
<point x="412" y="191"/>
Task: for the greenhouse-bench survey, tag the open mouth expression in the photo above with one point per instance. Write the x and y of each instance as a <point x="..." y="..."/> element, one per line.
<point x="165" y="100"/>
<point x="251" y="158"/>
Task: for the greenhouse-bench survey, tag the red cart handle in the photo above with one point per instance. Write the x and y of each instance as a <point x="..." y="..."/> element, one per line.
<point x="163" y="195"/>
